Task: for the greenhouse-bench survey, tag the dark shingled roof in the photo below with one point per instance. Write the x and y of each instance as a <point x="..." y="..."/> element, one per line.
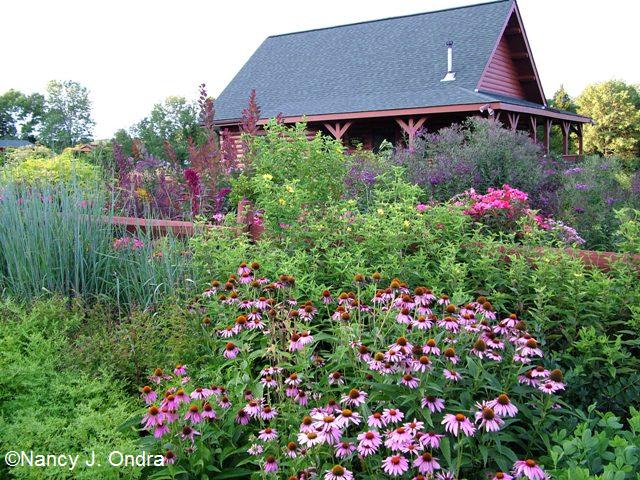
<point x="383" y="64"/>
<point x="14" y="143"/>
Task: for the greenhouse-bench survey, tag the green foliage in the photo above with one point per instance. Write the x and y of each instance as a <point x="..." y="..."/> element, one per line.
<point x="614" y="107"/>
<point x="67" y="118"/>
<point x="628" y="233"/>
<point x="19" y="155"/>
<point x="20" y="114"/>
<point x="175" y="120"/>
<point x="600" y="448"/>
<point x="42" y="171"/>
<point x="286" y="171"/>
<point x="49" y="407"/>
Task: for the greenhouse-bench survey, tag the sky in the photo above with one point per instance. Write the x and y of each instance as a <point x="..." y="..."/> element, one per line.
<point x="132" y="54"/>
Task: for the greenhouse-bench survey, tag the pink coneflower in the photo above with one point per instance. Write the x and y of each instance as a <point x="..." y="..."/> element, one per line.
<point x="426" y="463"/>
<point x="430" y="348"/>
<point x="201" y="393"/>
<point x="404" y="316"/>
<point x="395" y="465"/>
<point x="450" y="323"/>
<point x="539" y="372"/>
<point x="444" y="300"/>
<point x="293" y="380"/>
<point x="294" y="343"/>
<point x="530" y="348"/>
<point x="397" y="438"/>
<point x="242" y="417"/>
<point x="326" y="297"/>
<point x="188" y="432"/>
<point x="354" y="398"/>
<point x="348" y="417"/>
<point x="335" y="378"/>
<point x="502" y="476"/>
<point x="181" y="396"/>
<point x="488" y="419"/>
<point x="451" y="375"/>
<point x="302" y="398"/>
<point x="230" y="350"/>
<point x="309" y="439"/>
<point x="180" y="370"/>
<point x="391" y="415"/>
<point x="268" y="381"/>
<point x="208" y="411"/>
<point x="292" y="450"/>
<point x="268" y="434"/>
<point x="158" y="376"/>
<point x="422" y="364"/>
<point x="306" y="338"/>
<point x="450" y="355"/>
<point x="446" y="476"/>
<point x="410" y="381"/>
<point x="434" y="404"/>
<point x="307" y="424"/>
<point x="193" y="414"/>
<point x="414" y="427"/>
<point x="527" y="379"/>
<point x="270" y="464"/>
<point x="503" y="407"/>
<point x="557" y="379"/>
<point x="268" y="413"/>
<point x="255" y="449"/>
<point x="224" y="402"/>
<point x="152" y="418"/>
<point x="228" y="331"/>
<point x="148" y="395"/>
<point x="169" y="458"/>
<point x="375" y="420"/>
<point x="548" y="387"/>
<point x="458" y="423"/>
<point x="169" y="415"/>
<point x="161" y="430"/>
<point x="338" y="472"/>
<point x="253" y="407"/>
<point x="291" y="391"/>
<point x="344" y="449"/>
<point x="422" y="323"/>
<point x="368" y="442"/>
<point x="170" y="401"/>
<point x="431" y="440"/>
<point x="528" y="468"/>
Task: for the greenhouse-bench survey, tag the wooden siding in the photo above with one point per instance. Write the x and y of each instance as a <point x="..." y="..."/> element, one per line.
<point x="502" y="74"/>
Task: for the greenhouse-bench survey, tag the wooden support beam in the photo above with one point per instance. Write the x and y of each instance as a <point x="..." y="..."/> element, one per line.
<point x="338" y="129"/>
<point x="411" y="127"/>
<point x="580" y="141"/>
<point x="566" y="130"/>
<point x="533" y="128"/>
<point x="547" y="135"/>
<point x="513" y="118"/>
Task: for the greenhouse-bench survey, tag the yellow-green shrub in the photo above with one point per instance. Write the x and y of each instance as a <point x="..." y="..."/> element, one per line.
<point x="61" y="169"/>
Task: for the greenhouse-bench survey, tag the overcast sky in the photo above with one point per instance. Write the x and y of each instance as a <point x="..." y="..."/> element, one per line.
<point x="134" y="53"/>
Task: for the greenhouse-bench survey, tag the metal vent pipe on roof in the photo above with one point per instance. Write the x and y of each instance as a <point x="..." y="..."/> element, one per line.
<point x="450" y="73"/>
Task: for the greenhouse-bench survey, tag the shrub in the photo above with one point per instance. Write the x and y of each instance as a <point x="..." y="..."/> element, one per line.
<point x="477" y="154"/>
<point x="628" y="233"/>
<point x="599" y="448"/>
<point x="42" y="171"/>
<point x="49" y="407"/>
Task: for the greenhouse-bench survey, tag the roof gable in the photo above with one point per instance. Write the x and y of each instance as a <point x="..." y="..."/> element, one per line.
<point x="511" y="70"/>
<point x="379" y="65"/>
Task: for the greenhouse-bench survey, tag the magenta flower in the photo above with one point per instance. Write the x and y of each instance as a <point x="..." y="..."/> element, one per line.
<point x="431" y="440"/>
<point x="255" y="449"/>
<point x="503" y="407"/>
<point x="368" y="442"/>
<point x="502" y="476"/>
<point x="344" y="449"/>
<point x="488" y="419"/>
<point x="375" y="420"/>
<point x="201" y="393"/>
<point x="354" y="398"/>
<point x="230" y="350"/>
<point x="426" y="463"/>
<point x="180" y="370"/>
<point x="458" y="423"/>
<point x="410" y="381"/>
<point x="268" y="413"/>
<point x="208" y="411"/>
<point x="270" y="464"/>
<point x="188" y="432"/>
<point x="267" y="434"/>
<point x="395" y="465"/>
<point x="528" y="468"/>
<point x="434" y="404"/>
<point x="391" y="415"/>
<point x="148" y="395"/>
<point x="193" y="414"/>
<point x="242" y="417"/>
<point x="338" y="473"/>
<point x="152" y="418"/>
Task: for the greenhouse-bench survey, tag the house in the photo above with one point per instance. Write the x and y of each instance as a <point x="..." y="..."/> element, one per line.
<point x="5" y="144"/>
<point x="390" y="78"/>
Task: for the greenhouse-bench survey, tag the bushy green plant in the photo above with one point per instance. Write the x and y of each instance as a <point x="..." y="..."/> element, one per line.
<point x="49" y="407"/>
<point x="600" y="448"/>
<point x="63" y="169"/>
<point x="628" y="233"/>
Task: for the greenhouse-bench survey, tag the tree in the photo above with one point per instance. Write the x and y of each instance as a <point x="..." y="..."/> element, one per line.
<point x="614" y="107"/>
<point x="20" y="114"/>
<point x="67" y="118"/>
<point x="562" y="101"/>
<point x="174" y="120"/>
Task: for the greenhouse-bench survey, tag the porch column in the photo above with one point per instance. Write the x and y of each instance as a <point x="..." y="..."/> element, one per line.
<point x="579" y="132"/>
<point x="533" y="128"/>
<point x="513" y="120"/>
<point x="338" y="129"/>
<point x="411" y="128"/>
<point x="547" y="135"/>
<point x="566" y="129"/>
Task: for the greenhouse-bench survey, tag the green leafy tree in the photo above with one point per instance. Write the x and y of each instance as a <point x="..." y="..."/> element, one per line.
<point x="20" y="114"/>
<point x="67" y="118"/>
<point x="174" y="120"/>
<point x="562" y="101"/>
<point x="614" y="107"/>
